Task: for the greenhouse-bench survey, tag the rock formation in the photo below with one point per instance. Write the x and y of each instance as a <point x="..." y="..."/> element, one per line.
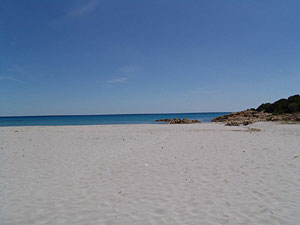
<point x="251" y="116"/>
<point x="282" y="110"/>
<point x="178" y="121"/>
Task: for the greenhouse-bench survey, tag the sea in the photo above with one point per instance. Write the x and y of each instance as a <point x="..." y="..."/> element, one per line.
<point x="67" y="120"/>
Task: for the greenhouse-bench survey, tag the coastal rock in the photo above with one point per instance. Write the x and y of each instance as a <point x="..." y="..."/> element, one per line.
<point x="244" y="117"/>
<point x="232" y="123"/>
<point x="178" y="121"/>
<point x="252" y="116"/>
<point x="247" y="122"/>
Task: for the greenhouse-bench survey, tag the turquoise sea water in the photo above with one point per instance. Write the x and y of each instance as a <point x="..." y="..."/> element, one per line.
<point x="102" y="119"/>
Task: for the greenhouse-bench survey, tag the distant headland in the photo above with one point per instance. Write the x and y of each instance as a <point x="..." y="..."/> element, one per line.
<point x="281" y="110"/>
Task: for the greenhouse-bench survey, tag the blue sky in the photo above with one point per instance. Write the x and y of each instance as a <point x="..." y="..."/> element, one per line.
<point x="141" y="56"/>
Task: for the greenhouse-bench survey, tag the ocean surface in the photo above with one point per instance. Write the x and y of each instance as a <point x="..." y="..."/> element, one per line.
<point x="102" y="119"/>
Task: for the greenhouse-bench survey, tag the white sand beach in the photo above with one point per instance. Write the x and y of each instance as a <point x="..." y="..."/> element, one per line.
<point x="150" y="174"/>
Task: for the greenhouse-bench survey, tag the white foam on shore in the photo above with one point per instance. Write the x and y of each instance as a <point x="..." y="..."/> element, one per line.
<point x="150" y="174"/>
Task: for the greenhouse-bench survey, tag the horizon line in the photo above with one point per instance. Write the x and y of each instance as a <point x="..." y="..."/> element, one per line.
<point x="115" y="114"/>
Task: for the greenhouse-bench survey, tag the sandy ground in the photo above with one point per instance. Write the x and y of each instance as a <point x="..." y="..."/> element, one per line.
<point x="150" y="174"/>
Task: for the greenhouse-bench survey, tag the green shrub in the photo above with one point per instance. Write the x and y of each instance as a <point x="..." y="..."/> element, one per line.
<point x="266" y="107"/>
<point x="290" y="105"/>
<point x="281" y="106"/>
<point x="294" y="98"/>
<point x="293" y="107"/>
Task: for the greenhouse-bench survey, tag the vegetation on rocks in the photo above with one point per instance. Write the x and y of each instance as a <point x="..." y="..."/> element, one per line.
<point x="281" y="110"/>
<point x="282" y="106"/>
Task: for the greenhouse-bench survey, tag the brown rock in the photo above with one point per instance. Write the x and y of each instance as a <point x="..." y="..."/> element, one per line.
<point x="178" y="121"/>
<point x="232" y="123"/>
<point x="247" y="122"/>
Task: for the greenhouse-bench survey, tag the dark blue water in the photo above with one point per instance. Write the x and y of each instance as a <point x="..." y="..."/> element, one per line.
<point x="102" y="119"/>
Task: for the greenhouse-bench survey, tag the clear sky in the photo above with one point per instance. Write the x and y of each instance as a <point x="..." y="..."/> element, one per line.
<point x="143" y="56"/>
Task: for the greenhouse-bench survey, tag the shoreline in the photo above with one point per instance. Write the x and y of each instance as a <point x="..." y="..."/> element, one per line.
<point x="158" y="124"/>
